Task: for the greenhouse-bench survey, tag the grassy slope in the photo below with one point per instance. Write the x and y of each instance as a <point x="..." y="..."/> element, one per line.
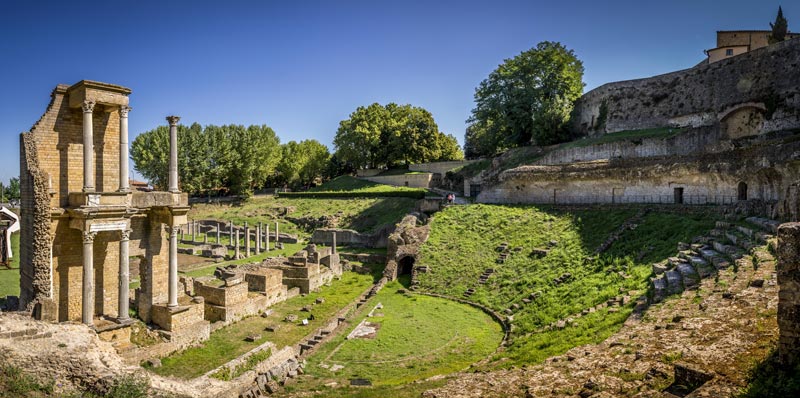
<point x="420" y="337"/>
<point x="228" y="343"/>
<point x="363" y="215"/>
<point x="9" y="277"/>
<point x="462" y="245"/>
<point x="347" y="183"/>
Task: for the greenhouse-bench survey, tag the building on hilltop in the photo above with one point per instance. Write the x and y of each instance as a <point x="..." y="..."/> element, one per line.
<point x="731" y="43"/>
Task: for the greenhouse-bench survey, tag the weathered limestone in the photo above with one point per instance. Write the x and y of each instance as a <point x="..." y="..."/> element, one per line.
<point x="236" y="247"/>
<point x="87" y="305"/>
<point x="246" y="240"/>
<point x="124" y="277"/>
<point x="88" y="146"/>
<point x="123" y="148"/>
<point x="266" y="237"/>
<point x="258" y="238"/>
<point x="173" y="267"/>
<point x="173" y="153"/>
<point x="219" y="226"/>
<point x="788" y="269"/>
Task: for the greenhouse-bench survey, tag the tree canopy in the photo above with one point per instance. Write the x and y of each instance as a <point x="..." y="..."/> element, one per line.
<point x="302" y="162"/>
<point x="378" y="136"/>
<point x="526" y="100"/>
<point x="230" y="158"/>
<point x="780" y="28"/>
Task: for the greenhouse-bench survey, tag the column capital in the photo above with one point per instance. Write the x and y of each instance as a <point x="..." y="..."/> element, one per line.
<point x="123" y="110"/>
<point x="88" y="237"/>
<point x="173" y="120"/>
<point x="126" y="234"/>
<point x="88" y="106"/>
<point x="173" y="230"/>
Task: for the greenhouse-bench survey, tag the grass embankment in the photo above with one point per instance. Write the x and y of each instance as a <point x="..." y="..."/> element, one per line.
<point x="9" y="276"/>
<point x="419" y="337"/>
<point x="462" y="245"/>
<point x="362" y="214"/>
<point x="228" y="343"/>
<point x="351" y="187"/>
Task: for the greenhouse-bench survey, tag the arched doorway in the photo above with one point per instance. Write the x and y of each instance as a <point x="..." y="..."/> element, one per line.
<point x="742" y="191"/>
<point x="405" y="266"/>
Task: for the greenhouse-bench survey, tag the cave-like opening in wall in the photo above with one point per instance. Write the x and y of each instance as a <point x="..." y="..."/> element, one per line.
<point x="678" y="195"/>
<point x="741" y="191"/>
<point x="405" y="265"/>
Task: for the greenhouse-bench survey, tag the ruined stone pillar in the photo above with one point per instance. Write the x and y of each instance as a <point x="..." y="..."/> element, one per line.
<point x="246" y="240"/>
<point x="333" y="242"/>
<point x="123" y="149"/>
<point x="88" y="147"/>
<point x="276" y="234"/>
<point x="194" y="230"/>
<point x="230" y="234"/>
<point x="258" y="238"/>
<point x="124" y="276"/>
<point x="173" y="267"/>
<point x="87" y="306"/>
<point x="173" y="153"/>
<point x="219" y="226"/>
<point x="789" y="294"/>
<point x="236" y="247"/>
<point x="266" y="237"/>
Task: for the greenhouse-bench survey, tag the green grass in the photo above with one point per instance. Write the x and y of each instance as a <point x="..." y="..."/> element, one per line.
<point x="15" y="382"/>
<point x="9" y="277"/>
<point x="462" y="245"/>
<point x="347" y="183"/>
<point x="768" y="378"/>
<point x="363" y="214"/>
<point x="411" y="390"/>
<point x="228" y="343"/>
<point x="661" y="132"/>
<point x="419" y="337"/>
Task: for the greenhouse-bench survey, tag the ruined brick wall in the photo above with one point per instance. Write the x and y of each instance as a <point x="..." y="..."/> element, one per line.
<point x="789" y="294"/>
<point x="700" y="95"/>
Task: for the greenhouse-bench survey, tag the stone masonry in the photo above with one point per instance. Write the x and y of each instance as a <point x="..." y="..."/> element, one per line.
<point x="789" y="295"/>
<point x="80" y="220"/>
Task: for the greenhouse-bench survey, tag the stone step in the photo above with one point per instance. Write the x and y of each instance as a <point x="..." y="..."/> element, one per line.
<point x="723" y="225"/>
<point x="763" y="237"/>
<point x="674" y="281"/>
<point x="659" y="289"/>
<point x="660" y="267"/>
<point x="715" y="258"/>
<point x="18" y="333"/>
<point x="689" y="275"/>
<point x="730" y="250"/>
<point x="745" y="231"/>
<point x="764" y="223"/>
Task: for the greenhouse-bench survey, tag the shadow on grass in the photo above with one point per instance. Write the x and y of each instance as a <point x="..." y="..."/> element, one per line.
<point x="769" y="378"/>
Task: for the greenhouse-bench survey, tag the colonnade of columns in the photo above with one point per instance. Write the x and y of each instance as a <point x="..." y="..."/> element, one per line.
<point x="88" y="300"/>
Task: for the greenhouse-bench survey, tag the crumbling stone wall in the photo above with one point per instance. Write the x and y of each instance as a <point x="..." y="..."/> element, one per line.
<point x="788" y="268"/>
<point x="701" y="95"/>
<point x="35" y="275"/>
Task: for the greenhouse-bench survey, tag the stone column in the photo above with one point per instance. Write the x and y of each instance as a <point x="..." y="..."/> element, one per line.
<point x="219" y="226"/>
<point x="88" y="147"/>
<point x="173" y="267"/>
<point x="333" y="242"/>
<point x="236" y="247"/>
<point x="173" y="153"/>
<point x="123" y="149"/>
<point x="87" y="307"/>
<point x="788" y="268"/>
<point x="266" y="237"/>
<point x="258" y="238"/>
<point x="194" y="230"/>
<point x="246" y="240"/>
<point x="124" y="276"/>
<point x="277" y="236"/>
<point x="230" y="233"/>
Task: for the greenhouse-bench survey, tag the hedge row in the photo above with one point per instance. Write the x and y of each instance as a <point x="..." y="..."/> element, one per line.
<point x="355" y="194"/>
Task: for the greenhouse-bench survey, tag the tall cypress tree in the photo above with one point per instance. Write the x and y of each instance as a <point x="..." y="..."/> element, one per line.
<point x="779" y="28"/>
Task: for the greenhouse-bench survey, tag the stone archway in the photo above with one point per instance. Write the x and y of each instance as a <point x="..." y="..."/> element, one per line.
<point x="742" y="120"/>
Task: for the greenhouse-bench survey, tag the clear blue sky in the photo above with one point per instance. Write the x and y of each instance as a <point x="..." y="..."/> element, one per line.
<point x="302" y="66"/>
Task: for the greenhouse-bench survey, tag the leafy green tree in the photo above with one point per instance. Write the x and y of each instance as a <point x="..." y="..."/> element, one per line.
<point x="527" y="99"/>
<point x="317" y="158"/>
<point x="302" y="162"/>
<point x="150" y="154"/>
<point x="779" y="29"/>
<point x="380" y="136"/>
<point x="12" y="192"/>
<point x="256" y="154"/>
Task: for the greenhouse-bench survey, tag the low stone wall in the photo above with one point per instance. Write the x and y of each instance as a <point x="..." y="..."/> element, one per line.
<point x="404" y="180"/>
<point x="223" y="296"/>
<point x="440" y="167"/>
<point x="349" y="237"/>
<point x="364" y="258"/>
<point x="695" y="141"/>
